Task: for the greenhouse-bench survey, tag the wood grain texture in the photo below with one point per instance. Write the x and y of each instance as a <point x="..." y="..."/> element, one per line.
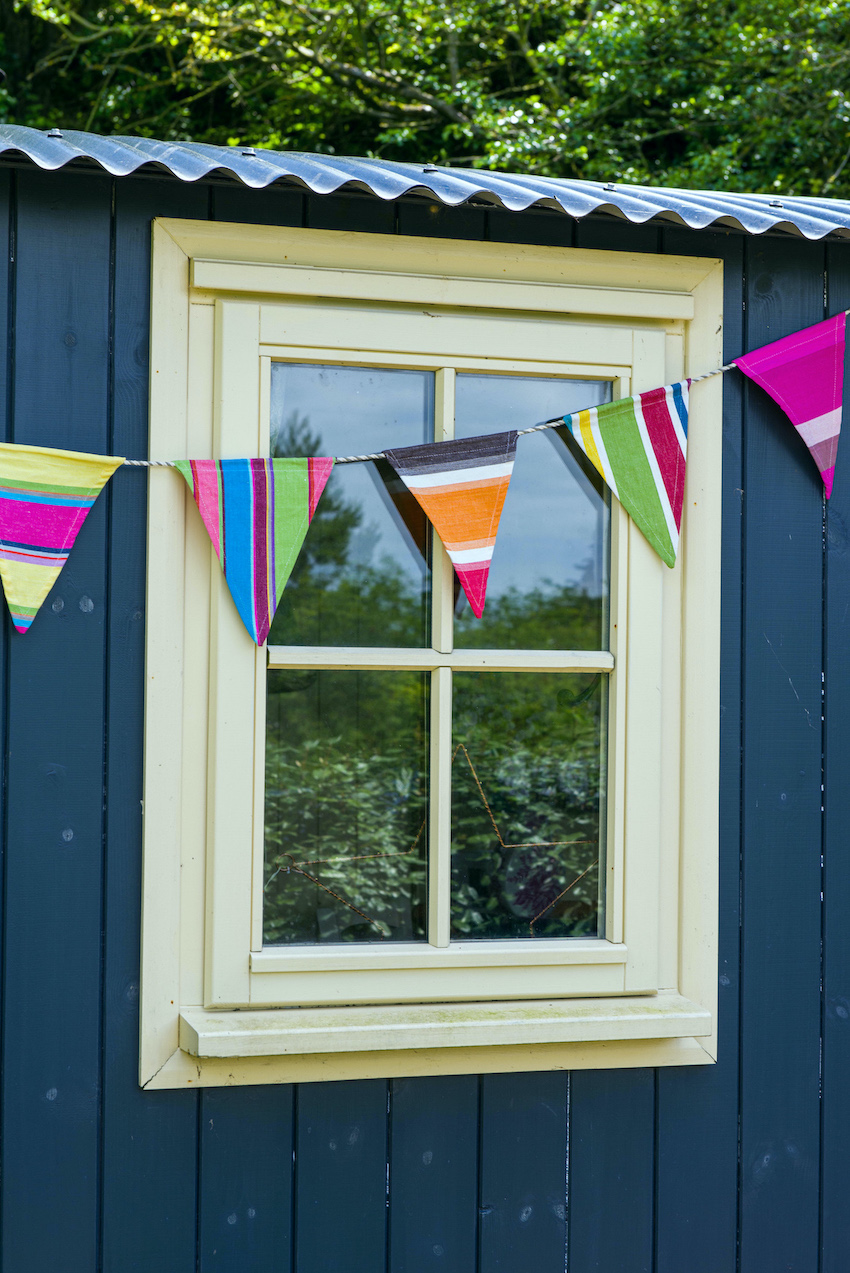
<point x="780" y="1019"/>
<point x="245" y="1173"/>
<point x="149" y="1140"/>
<point x="8" y="235"/>
<point x="341" y="1176"/>
<point x="698" y="1112"/>
<point x="435" y="220"/>
<point x="433" y="1176"/>
<point x="56" y="713"/>
<point x="835" y="1150"/>
<point x="276" y="205"/>
<point x="612" y="1171"/>
<point x="522" y="1182"/>
<point x="98" y="1175"/>
<point x="548" y="229"/>
<point x="349" y="212"/>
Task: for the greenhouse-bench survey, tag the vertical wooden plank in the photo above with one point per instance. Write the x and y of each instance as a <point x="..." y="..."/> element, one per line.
<point x="836" y="974"/>
<point x="246" y="1180"/>
<point x="780" y="1019"/>
<point x="548" y="229"/>
<point x="350" y="212"/>
<point x="433" y="1182"/>
<point x="341" y="1176"/>
<point x="612" y="1115"/>
<point x="149" y="1138"/>
<point x="523" y="1202"/>
<point x="54" y="813"/>
<point x="276" y="205"/>
<point x="697" y="1115"/>
<point x="8" y="192"/>
<point x="611" y="234"/>
<point x="434" y="220"/>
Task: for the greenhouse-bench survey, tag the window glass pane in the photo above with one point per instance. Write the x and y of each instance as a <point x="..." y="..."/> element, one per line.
<point x="362" y="577"/>
<point x="527" y="799"/>
<point x="346" y="806"/>
<point x="548" y="584"/>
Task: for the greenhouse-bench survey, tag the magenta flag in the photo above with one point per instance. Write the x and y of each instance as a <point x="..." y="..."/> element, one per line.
<point x="804" y="373"/>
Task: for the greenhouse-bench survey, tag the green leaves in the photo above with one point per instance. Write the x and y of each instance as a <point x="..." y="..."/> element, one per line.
<point x="678" y="92"/>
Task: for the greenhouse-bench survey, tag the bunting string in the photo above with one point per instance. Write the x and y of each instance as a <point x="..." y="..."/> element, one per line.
<point x="379" y="455"/>
<point x="258" y="511"/>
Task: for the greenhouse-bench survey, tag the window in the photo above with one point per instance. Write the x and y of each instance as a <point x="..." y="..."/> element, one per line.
<point x="401" y="839"/>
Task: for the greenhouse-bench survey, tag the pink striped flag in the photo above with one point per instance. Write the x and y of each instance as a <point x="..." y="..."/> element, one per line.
<point x="45" y="496"/>
<point x="257" y="513"/>
<point x="804" y="373"/>
<point x="639" y="446"/>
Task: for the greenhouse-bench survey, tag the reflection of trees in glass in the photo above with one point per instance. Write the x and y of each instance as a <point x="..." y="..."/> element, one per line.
<point x="337" y="595"/>
<point x="346" y="757"/>
<point x="548" y="617"/>
<point x="534" y="742"/>
<point x="346" y="782"/>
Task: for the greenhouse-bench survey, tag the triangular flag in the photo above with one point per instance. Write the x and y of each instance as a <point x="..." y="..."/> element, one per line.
<point x="461" y="485"/>
<point x="257" y="513"/>
<point x="639" y="446"/>
<point x="804" y="373"/>
<point x="45" y="497"/>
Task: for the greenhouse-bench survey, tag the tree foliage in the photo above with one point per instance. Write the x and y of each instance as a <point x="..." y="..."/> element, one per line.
<point x="707" y="93"/>
<point x="347" y="757"/>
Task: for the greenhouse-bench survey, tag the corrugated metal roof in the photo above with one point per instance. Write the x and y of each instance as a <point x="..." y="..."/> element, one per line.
<point x="325" y="174"/>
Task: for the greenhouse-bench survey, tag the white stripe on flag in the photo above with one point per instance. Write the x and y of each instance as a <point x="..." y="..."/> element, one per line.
<point x="452" y="477"/>
<point x="821" y="427"/>
<point x="673" y="413"/>
<point x="656" y="475"/>
<point x="573" y="423"/>
<point x="608" y="472"/>
<point x="465" y="556"/>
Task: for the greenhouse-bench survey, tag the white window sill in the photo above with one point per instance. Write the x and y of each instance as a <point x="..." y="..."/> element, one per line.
<point x="307" y="1031"/>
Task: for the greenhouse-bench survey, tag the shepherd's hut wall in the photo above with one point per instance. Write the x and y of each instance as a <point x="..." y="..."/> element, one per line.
<point x="739" y="1166"/>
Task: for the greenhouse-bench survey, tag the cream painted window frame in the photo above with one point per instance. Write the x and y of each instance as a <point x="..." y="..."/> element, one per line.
<point x="217" y="1009"/>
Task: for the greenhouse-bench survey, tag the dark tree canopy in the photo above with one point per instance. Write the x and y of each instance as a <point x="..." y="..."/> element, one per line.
<point x="705" y="93"/>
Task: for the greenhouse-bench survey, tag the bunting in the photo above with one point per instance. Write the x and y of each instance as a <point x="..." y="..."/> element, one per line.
<point x="639" y="447"/>
<point x="462" y="485"/>
<point x="804" y="373"/>
<point x="45" y="497"/>
<point x="257" y="513"/>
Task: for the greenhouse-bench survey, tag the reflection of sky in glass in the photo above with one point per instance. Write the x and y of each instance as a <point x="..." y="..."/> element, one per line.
<point x="554" y="526"/>
<point x="335" y="411"/>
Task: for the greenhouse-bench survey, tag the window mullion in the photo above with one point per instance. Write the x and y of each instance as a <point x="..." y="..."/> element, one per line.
<point x="442" y="573"/>
<point x="440" y="815"/>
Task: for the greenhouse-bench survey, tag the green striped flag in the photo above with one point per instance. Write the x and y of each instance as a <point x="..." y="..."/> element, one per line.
<point x="639" y="447"/>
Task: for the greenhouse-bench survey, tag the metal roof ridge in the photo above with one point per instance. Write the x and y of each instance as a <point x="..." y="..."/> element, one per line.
<point x="813" y="217"/>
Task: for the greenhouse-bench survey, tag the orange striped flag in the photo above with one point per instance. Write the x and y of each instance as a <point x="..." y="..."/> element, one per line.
<point x="462" y="485"/>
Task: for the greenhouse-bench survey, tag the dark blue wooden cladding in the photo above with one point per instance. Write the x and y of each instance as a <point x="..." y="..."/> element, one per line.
<point x="611" y="1171"/>
<point x="835" y="1147"/>
<point x="782" y="741"/>
<point x="56" y="712"/>
<point x="245" y="1175"/>
<point x="433" y="1175"/>
<point x="697" y="1113"/>
<point x="523" y="1172"/>
<point x="149" y="1140"/>
<point x="738" y="1167"/>
<point x="341" y="1176"/>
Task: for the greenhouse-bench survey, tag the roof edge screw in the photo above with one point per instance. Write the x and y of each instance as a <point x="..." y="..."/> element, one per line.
<point x="430" y="168"/>
<point x="54" y="132"/>
<point x="776" y="203"/>
<point x="609" y="185"/>
<point x="250" y="152"/>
